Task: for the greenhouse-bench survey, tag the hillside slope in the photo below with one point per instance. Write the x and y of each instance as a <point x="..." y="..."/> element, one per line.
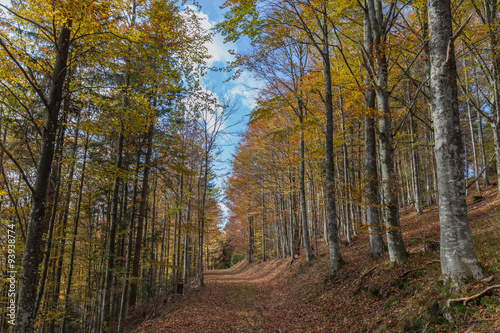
<point x="366" y="295"/>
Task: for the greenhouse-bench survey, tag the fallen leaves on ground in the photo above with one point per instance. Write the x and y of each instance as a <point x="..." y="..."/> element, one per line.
<point x="366" y="295"/>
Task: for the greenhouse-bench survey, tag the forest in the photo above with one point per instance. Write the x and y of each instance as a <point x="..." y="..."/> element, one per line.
<point x="375" y="128"/>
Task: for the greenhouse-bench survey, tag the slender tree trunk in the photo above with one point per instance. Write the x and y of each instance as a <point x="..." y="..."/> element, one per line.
<point x="314" y="212"/>
<point x="48" y="242"/>
<point x="415" y="169"/>
<point x="250" y="239"/>
<point x="177" y="235"/>
<point x="140" y="221"/>
<point x="26" y="314"/>
<point x="67" y="201"/>
<point x="484" y="177"/>
<point x="397" y="251"/>
<point x="187" y="243"/>
<point x="473" y="147"/>
<point x="123" y="302"/>
<point x="302" y="188"/>
<point x="105" y="323"/>
<point x="333" y="238"/>
<point x="73" y="241"/>
<point x="371" y="176"/>
<point x="263" y="227"/>
<point x="202" y="215"/>
<point x="458" y="259"/>
<point x="345" y="162"/>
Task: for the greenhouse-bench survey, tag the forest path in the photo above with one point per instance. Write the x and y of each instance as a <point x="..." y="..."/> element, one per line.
<point x="240" y="300"/>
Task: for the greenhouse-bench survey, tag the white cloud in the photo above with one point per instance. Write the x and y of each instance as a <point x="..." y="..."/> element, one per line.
<point x="206" y="105"/>
<point x="225" y="213"/>
<point x="246" y="88"/>
<point x="217" y="49"/>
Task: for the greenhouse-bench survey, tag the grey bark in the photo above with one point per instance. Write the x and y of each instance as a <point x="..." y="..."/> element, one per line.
<point x="333" y="238"/>
<point x="348" y="217"/>
<point x="473" y="147"/>
<point x="302" y="187"/>
<point x="458" y="259"/>
<point x="379" y="28"/>
<point x="187" y="242"/>
<point x="371" y="175"/>
<point x="201" y="214"/>
<point x="415" y="169"/>
<point x="484" y="176"/>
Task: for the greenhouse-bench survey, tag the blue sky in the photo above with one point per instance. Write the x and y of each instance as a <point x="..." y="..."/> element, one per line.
<point x="243" y="89"/>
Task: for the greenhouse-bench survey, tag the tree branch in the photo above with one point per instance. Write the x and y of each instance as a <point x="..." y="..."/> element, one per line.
<point x="466" y="299"/>
<point x="21" y="171"/>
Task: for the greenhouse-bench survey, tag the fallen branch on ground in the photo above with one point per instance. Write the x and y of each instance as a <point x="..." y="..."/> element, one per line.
<point x="466" y="299"/>
<point x="362" y="276"/>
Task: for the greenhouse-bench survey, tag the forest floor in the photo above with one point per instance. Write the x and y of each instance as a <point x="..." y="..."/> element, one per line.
<point x="366" y="295"/>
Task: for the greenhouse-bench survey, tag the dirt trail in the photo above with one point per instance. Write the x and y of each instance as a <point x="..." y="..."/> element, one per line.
<point x="241" y="300"/>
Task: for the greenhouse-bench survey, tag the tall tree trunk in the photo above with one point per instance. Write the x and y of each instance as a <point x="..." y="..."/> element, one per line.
<point x="140" y="221"/>
<point x="397" y="251"/>
<point x="201" y="217"/>
<point x="67" y="201"/>
<point x="314" y="211"/>
<point x="73" y="240"/>
<point x="345" y="162"/>
<point x="458" y="259"/>
<point x="371" y="176"/>
<point x="302" y="187"/>
<point x="484" y="176"/>
<point x="333" y="235"/>
<point x="491" y="20"/>
<point x="52" y="219"/>
<point x="26" y="314"/>
<point x="250" y="239"/>
<point x="263" y="227"/>
<point x="108" y="278"/>
<point x="473" y="147"/>
<point x="187" y="242"/>
<point x="123" y="302"/>
<point x="415" y="169"/>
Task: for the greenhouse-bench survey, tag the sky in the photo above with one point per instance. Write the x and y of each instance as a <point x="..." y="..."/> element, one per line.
<point x="242" y="90"/>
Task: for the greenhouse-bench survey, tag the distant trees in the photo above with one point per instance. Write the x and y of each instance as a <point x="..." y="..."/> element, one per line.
<point x="381" y="156"/>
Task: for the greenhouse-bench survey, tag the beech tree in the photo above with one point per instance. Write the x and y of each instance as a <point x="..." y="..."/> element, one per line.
<point x="458" y="259"/>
